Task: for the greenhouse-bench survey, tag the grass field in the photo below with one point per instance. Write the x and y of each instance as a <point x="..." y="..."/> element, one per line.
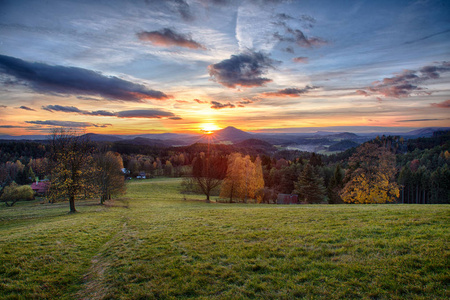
<point x="152" y="244"/>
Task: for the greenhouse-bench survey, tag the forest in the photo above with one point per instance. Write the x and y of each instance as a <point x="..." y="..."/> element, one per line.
<point x="385" y="169"/>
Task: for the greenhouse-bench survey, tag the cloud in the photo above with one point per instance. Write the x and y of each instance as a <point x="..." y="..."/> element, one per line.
<point x="66" y="123"/>
<point x="362" y="93"/>
<point x="3" y="106"/>
<point x="87" y="98"/>
<point x="218" y="105"/>
<point x="303" y="41"/>
<point x="300" y="59"/>
<point x="140" y="113"/>
<point x="200" y="101"/>
<point x="69" y="109"/>
<point x="246" y="101"/>
<point x="290" y="92"/>
<point x="11" y="126"/>
<point x="168" y="38"/>
<point x="406" y="83"/>
<point x="444" y="104"/>
<point x="419" y="120"/>
<point x="26" y="108"/>
<point x="145" y="113"/>
<point x="48" y="79"/>
<point x="297" y="36"/>
<point x="182" y="7"/>
<point x="245" y="69"/>
<point x="289" y="50"/>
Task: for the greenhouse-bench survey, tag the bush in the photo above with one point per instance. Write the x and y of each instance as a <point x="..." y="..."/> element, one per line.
<point x="15" y="192"/>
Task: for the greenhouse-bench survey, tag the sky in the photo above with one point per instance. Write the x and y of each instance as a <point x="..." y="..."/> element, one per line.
<point x="134" y="67"/>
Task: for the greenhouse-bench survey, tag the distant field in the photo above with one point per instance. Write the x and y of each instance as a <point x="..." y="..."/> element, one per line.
<point x="154" y="244"/>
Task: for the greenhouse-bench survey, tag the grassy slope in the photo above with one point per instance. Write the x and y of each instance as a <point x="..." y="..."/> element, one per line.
<point x="158" y="246"/>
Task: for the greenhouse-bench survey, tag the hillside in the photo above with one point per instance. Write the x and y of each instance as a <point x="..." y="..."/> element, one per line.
<point x="152" y="244"/>
<point x="231" y="134"/>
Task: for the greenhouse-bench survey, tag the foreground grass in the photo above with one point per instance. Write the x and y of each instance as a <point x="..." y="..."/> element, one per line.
<point x="153" y="244"/>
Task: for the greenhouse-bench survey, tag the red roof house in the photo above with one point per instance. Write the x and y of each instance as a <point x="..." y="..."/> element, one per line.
<point x="40" y="187"/>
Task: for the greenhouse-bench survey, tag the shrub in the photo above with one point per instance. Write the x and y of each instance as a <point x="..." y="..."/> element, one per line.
<point x="15" y="192"/>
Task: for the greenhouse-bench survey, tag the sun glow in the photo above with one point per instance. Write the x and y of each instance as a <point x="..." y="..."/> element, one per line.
<point x="209" y="128"/>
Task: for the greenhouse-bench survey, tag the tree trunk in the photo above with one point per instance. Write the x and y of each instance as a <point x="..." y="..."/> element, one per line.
<point x="207" y="198"/>
<point x="72" y="204"/>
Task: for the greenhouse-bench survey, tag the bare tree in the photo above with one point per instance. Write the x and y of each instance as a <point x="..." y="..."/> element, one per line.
<point x="208" y="172"/>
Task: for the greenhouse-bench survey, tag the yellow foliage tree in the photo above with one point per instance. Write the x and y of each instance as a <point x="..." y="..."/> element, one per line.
<point x="244" y="179"/>
<point x="371" y="176"/>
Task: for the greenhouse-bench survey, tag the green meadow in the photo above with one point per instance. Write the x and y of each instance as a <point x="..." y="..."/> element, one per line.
<point x="154" y="244"/>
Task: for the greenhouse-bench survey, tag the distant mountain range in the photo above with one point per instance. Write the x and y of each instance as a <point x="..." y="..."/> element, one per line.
<point x="313" y="142"/>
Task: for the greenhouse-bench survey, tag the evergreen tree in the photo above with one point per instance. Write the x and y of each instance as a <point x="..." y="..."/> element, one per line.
<point x="310" y="187"/>
<point x="335" y="186"/>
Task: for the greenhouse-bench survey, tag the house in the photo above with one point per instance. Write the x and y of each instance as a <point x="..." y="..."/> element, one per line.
<point x="287" y="199"/>
<point x="40" y="187"/>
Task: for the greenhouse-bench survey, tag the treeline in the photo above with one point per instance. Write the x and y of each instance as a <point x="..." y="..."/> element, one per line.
<point x="424" y="173"/>
<point x="387" y="168"/>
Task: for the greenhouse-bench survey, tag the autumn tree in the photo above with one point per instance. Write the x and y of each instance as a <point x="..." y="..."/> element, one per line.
<point x="370" y="176"/>
<point x="232" y="185"/>
<point x="244" y="179"/>
<point x="14" y="192"/>
<point x="208" y="171"/>
<point x="109" y="177"/>
<point x="309" y="186"/>
<point x="71" y="165"/>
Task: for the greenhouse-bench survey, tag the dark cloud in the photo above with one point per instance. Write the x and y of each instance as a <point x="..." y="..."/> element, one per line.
<point x="167" y="38"/>
<point x="290" y="92"/>
<point x="303" y="41"/>
<point x="67" y="123"/>
<point x="63" y="80"/>
<point x="182" y="7"/>
<point x="216" y="2"/>
<point x="284" y="17"/>
<point x="245" y="69"/>
<point x="11" y="126"/>
<point x="68" y="109"/>
<point x="406" y="83"/>
<point x="145" y="113"/>
<point x="418" y="120"/>
<point x="444" y="104"/>
<point x="200" y="101"/>
<point x="289" y="50"/>
<point x="246" y="101"/>
<point x="175" y="118"/>
<point x="300" y="59"/>
<point x="141" y="113"/>
<point x="297" y="36"/>
<point x="3" y="106"/>
<point x="87" y="98"/>
<point x="103" y="113"/>
<point x="27" y="108"/>
<point x="218" y="105"/>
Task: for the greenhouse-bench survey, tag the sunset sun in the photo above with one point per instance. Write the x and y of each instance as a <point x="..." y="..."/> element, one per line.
<point x="208" y="128"/>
